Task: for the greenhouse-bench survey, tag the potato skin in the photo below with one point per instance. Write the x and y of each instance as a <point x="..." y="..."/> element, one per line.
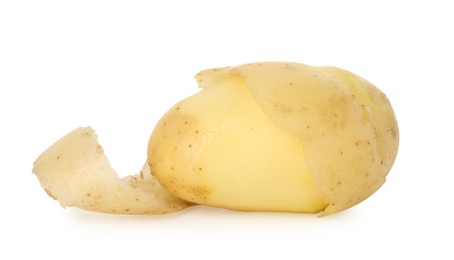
<point x="346" y="126"/>
<point x="377" y="110"/>
<point x="76" y="172"/>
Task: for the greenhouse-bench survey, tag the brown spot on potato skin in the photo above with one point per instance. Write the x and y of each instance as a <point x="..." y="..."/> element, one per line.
<point x="193" y="192"/>
<point x="99" y="149"/>
<point x="282" y="107"/>
<point x="200" y="192"/>
<point x="393" y="132"/>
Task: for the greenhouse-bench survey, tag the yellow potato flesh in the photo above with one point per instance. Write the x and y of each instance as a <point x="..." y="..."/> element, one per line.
<point x="219" y="148"/>
<point x="76" y="172"/>
<point x="277" y="137"/>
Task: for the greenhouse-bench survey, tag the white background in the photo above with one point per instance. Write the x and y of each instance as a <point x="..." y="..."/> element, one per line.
<point x="119" y="65"/>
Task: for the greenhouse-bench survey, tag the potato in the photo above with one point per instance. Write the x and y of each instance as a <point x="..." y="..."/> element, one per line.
<point x="76" y="172"/>
<point x="259" y="137"/>
<point x="276" y="137"/>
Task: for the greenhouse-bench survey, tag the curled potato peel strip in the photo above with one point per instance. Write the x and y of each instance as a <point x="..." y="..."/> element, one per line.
<point x="76" y="172"/>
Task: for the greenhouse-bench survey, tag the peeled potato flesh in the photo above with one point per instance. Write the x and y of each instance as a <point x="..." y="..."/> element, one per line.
<point x="258" y="133"/>
<point x="218" y="148"/>
<point x="76" y="172"/>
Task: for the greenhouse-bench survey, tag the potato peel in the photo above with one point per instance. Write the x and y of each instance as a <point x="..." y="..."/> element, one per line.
<point x="75" y="172"/>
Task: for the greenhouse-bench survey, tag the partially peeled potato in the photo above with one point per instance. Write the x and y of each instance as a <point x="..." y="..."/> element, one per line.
<point x="258" y="137"/>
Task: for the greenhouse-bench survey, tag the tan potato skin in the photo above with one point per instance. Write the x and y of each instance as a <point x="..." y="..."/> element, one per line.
<point x="76" y="172"/>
